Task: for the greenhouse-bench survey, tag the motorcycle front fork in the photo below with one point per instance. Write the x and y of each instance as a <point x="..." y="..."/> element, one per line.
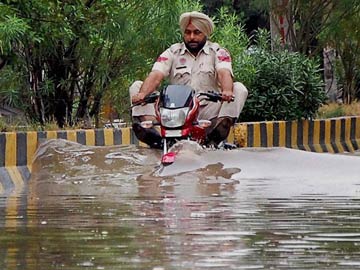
<point x="165" y="147"/>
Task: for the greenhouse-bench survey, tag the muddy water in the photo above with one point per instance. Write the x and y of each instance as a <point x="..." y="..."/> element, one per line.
<point x="117" y="208"/>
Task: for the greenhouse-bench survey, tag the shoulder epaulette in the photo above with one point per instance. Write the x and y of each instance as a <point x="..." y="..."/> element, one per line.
<point x="175" y="47"/>
<point x="214" y="46"/>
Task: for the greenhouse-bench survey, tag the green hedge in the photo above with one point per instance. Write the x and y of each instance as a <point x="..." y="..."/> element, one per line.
<point x="282" y="85"/>
<point x="285" y="86"/>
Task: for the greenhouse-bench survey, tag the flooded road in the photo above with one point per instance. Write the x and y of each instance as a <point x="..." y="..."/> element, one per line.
<point x="117" y="208"/>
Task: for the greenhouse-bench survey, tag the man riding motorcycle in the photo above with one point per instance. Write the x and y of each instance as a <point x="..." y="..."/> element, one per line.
<point x="198" y="63"/>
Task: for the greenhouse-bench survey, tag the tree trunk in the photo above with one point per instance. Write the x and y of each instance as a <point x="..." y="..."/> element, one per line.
<point x="349" y="80"/>
<point x="35" y="84"/>
<point x="88" y="85"/>
<point x="85" y="93"/>
<point x="280" y="20"/>
<point x="331" y="87"/>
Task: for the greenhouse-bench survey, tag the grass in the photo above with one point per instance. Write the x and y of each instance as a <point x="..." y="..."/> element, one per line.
<point x="19" y="125"/>
<point x="337" y="110"/>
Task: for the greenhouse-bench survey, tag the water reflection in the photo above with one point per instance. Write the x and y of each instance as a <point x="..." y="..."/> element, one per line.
<point x="116" y="208"/>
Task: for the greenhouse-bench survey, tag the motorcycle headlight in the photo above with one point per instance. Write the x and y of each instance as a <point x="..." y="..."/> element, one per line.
<point x="173" y="118"/>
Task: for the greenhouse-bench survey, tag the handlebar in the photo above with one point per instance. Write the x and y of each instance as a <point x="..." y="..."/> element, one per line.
<point x="151" y="98"/>
<point x="210" y="96"/>
<point x="213" y="96"/>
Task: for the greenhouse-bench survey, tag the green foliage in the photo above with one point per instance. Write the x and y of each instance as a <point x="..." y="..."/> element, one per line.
<point x="260" y="5"/>
<point x="93" y="48"/>
<point x="285" y="86"/>
<point x="11" y="28"/>
<point x="282" y="85"/>
<point x="230" y="34"/>
<point x="67" y="58"/>
<point x="9" y="88"/>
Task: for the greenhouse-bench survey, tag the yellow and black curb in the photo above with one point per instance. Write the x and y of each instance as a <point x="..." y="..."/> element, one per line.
<point x="335" y="135"/>
<point x="17" y="149"/>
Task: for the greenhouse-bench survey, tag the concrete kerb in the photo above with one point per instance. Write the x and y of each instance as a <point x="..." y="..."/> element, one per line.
<point x="334" y="135"/>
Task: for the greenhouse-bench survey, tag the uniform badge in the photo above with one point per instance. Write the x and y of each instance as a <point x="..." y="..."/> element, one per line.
<point x="162" y="59"/>
<point x="182" y="60"/>
<point x="224" y="56"/>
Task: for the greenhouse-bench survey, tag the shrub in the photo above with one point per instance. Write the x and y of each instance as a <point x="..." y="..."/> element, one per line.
<point x="284" y="86"/>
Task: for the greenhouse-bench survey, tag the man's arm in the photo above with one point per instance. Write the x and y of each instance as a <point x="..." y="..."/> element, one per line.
<point x="150" y="84"/>
<point x="226" y="83"/>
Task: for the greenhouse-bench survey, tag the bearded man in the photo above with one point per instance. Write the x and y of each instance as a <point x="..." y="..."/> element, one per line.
<point x="200" y="64"/>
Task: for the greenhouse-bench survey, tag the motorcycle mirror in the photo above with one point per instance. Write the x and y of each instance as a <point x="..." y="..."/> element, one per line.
<point x="147" y="124"/>
<point x="204" y="123"/>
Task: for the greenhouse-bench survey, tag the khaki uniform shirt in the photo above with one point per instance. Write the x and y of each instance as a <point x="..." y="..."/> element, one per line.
<point x="200" y="72"/>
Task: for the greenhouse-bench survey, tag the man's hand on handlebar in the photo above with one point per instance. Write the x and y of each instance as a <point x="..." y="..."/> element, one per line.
<point x="227" y="96"/>
<point x="138" y="98"/>
<point x="142" y="99"/>
<point x="216" y="96"/>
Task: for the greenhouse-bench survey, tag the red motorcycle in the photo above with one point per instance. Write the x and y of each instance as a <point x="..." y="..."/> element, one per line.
<point x="177" y="108"/>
